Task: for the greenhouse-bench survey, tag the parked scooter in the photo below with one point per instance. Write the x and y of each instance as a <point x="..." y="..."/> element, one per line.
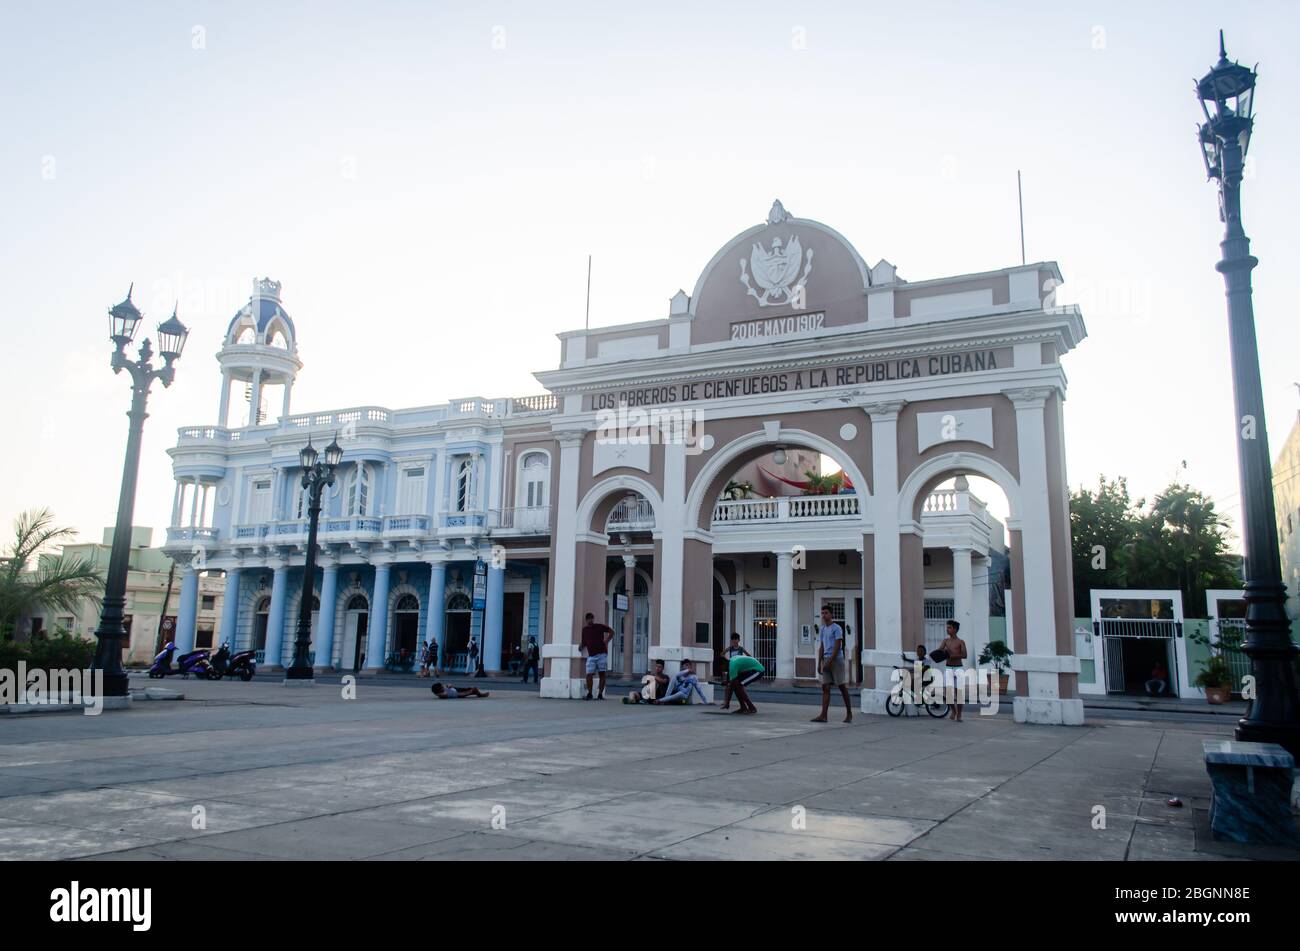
<point x="223" y="664"/>
<point x="194" y="662"/>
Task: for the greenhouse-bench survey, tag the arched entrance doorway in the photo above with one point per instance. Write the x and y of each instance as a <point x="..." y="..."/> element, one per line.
<point x="406" y="626"/>
<point x="459" y="614"/>
<point x="261" y="621"/>
<point x="356" y="620"/>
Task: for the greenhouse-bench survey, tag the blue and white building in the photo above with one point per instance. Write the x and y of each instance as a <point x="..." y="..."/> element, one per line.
<point x="414" y="508"/>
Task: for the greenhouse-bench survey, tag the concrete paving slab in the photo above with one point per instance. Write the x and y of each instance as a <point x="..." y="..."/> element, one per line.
<point x="753" y="845"/>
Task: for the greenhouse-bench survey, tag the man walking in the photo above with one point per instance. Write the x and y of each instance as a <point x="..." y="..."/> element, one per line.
<point x="531" y="659"/>
<point x="595" y="644"/>
<point x="831" y="666"/>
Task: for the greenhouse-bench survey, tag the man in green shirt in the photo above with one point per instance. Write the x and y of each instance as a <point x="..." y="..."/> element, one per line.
<point x="743" y="670"/>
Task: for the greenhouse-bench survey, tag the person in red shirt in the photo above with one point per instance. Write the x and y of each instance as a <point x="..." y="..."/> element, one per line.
<point x="595" y="644"/>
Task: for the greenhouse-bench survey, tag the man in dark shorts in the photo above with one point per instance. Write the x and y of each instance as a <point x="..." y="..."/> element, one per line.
<point x="743" y="670"/>
<point x="456" y="693"/>
<point x="595" y="644"/>
<point x="531" y="659"/>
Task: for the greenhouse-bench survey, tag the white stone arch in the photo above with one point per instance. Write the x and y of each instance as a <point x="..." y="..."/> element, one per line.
<point x="617" y="578"/>
<point x="956" y="462"/>
<point x="722" y="582"/>
<point x="760" y="437"/>
<point x="620" y="483"/>
<point x="277" y="325"/>
<point x="340" y="611"/>
<point x="396" y="593"/>
<point x="729" y="247"/>
<point x="288" y="645"/>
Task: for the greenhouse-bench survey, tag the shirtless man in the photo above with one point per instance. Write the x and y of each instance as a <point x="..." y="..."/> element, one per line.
<point x="956" y="649"/>
<point x="456" y="693"/>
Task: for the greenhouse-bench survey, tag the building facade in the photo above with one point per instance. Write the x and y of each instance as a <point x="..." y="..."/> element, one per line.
<point x="623" y="478"/>
<point x="151" y="607"/>
<point x="1286" y="504"/>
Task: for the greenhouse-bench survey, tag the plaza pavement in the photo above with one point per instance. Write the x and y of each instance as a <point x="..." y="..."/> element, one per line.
<point x="303" y="773"/>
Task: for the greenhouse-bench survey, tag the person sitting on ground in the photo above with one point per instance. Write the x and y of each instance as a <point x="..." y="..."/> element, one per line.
<point x="456" y="693"/>
<point x="682" y="684"/>
<point x="1159" y="681"/>
<point x="742" y="671"/>
<point x="735" y="649"/>
<point x="655" y="686"/>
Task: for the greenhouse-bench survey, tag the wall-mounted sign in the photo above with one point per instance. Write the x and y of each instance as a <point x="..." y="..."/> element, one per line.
<point x="794" y="381"/>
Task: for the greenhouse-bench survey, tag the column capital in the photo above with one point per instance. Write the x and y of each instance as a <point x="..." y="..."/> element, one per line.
<point x="885" y="411"/>
<point x="570" y="438"/>
<point x="1029" y="397"/>
<point x="786" y="554"/>
<point x="629" y="561"/>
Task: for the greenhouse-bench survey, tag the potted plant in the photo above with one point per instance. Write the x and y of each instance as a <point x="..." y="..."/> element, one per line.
<point x="999" y="655"/>
<point x="1216" y="679"/>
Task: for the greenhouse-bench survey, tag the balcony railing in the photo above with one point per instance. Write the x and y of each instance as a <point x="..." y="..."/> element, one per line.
<point x="188" y="534"/>
<point x="631" y="514"/>
<point x="524" y="519"/>
<point x="407" y="526"/>
<point x="787" y="508"/>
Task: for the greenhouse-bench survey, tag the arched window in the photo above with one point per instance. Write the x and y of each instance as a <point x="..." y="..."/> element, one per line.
<point x="358" y="491"/>
<point x="358" y="602"/>
<point x="459" y="601"/>
<point x="464" y="484"/>
<point x="534" y="472"/>
<point x="246" y="335"/>
<point x="407" y="602"/>
<point x="261" y="619"/>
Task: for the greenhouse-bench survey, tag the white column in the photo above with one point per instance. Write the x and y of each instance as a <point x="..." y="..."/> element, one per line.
<point x="670" y="526"/>
<point x="785" y="616"/>
<point x="561" y="650"/>
<point x="961" y="597"/>
<point x="176" y="504"/>
<point x="255" y="398"/>
<point x="223" y="410"/>
<point x="194" y="504"/>
<point x="288" y="389"/>
<point x="1042" y="702"/>
<point x="979" y="604"/>
<point x="885" y="529"/>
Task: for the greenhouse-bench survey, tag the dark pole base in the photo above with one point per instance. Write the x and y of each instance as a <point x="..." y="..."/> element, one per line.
<point x="300" y="673"/>
<point x="1285" y="735"/>
<point x="115" y="685"/>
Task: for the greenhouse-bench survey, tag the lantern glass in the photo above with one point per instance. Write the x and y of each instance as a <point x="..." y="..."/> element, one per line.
<point x="307" y="455"/>
<point x="778" y="457"/>
<point x="333" y="453"/>
<point x="172" y="335"/>
<point x="123" y="319"/>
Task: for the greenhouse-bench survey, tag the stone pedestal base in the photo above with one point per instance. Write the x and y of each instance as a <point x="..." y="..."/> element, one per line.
<point x="1047" y="711"/>
<point x="1251" y="801"/>
<point x="873" y="701"/>
<point x="301" y="682"/>
<point x="563" y="688"/>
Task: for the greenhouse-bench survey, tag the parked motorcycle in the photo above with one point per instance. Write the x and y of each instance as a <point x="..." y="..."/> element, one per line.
<point x="194" y="662"/>
<point x="223" y="664"/>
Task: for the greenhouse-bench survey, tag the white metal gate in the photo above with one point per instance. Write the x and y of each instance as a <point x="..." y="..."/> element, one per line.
<point x="1111" y="634"/>
<point x="765" y="635"/>
<point x="1238" y="662"/>
<point x="938" y="612"/>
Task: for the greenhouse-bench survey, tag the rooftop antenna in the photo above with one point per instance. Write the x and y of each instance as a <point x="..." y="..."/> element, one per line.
<point x="1021" y="196"/>
<point x="587" y="322"/>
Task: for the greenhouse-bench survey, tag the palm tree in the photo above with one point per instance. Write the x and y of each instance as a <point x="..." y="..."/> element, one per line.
<point x="56" y="582"/>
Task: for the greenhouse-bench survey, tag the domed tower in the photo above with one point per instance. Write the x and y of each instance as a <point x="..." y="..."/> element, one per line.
<point x="260" y="350"/>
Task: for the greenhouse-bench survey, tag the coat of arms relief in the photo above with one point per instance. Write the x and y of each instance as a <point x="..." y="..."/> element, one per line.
<point x="781" y="271"/>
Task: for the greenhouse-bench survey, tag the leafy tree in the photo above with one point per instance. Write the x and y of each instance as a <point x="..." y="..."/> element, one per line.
<point x="54" y="582"/>
<point x="1103" y="525"/>
<point x="1180" y="542"/>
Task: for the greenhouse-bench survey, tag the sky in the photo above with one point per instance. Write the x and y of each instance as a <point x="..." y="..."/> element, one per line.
<point x="427" y="180"/>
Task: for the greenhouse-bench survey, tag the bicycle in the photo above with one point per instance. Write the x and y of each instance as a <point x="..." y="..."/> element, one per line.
<point x="900" y="697"/>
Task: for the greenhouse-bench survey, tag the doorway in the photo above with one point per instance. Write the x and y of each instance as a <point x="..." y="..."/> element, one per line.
<point x="406" y="626"/>
<point x="512" y="632"/>
<point x="356" y="621"/>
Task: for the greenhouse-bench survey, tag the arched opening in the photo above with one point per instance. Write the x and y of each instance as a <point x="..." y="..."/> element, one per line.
<point x="456" y="649"/>
<point x="642" y="612"/>
<point x="787" y="512"/>
<point x="964" y="560"/>
<point x="406" y="626"/>
<point x="356" y="622"/>
<point x="261" y="620"/>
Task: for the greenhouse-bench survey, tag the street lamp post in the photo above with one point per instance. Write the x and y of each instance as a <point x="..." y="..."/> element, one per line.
<point x="124" y="319"/>
<point x="317" y="473"/>
<point x="1226" y="94"/>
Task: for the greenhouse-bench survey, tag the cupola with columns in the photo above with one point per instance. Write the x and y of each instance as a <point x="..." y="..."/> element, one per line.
<point x="260" y="350"/>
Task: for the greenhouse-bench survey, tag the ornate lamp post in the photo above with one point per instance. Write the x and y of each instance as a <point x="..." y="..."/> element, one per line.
<point x="1226" y="94"/>
<point x="317" y="473"/>
<point x="124" y="319"/>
